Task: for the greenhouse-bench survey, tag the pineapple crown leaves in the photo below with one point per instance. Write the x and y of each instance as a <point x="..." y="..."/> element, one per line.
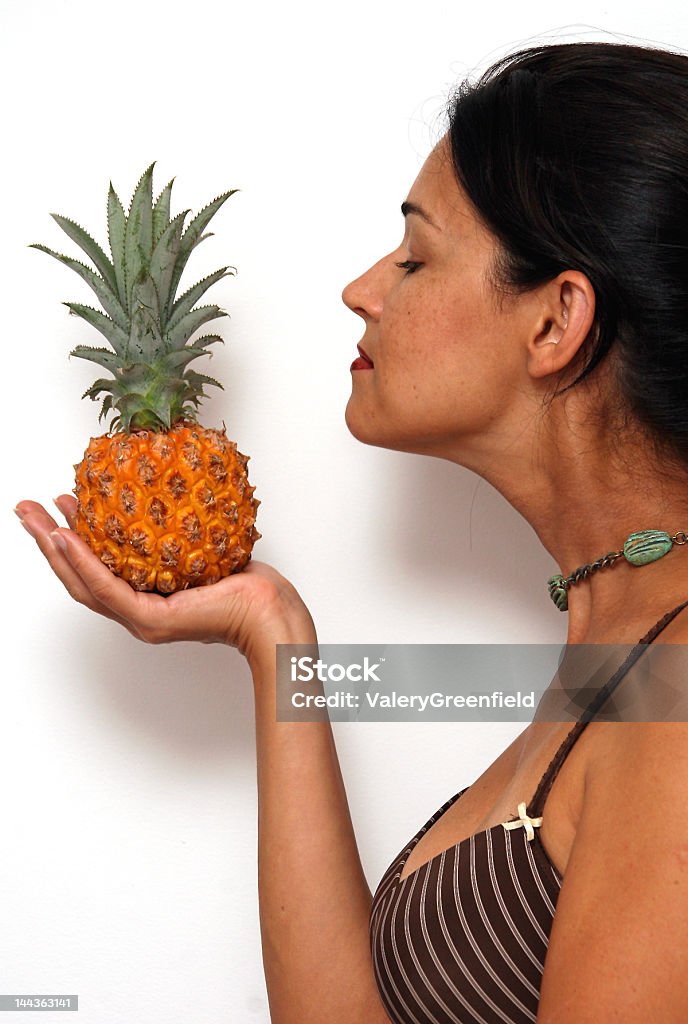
<point x="146" y="324"/>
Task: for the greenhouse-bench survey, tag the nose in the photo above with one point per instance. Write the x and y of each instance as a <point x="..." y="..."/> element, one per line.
<point x="365" y="294"/>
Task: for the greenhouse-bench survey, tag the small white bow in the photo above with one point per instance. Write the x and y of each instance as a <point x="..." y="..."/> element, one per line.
<point x="523" y="819"/>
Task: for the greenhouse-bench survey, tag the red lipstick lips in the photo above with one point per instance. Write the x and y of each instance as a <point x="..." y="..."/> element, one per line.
<point x="364" y="362"/>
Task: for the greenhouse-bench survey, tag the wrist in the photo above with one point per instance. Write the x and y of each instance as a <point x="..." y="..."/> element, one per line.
<point x="262" y="655"/>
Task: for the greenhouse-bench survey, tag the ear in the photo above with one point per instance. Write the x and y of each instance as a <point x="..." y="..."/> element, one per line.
<point x="564" y="322"/>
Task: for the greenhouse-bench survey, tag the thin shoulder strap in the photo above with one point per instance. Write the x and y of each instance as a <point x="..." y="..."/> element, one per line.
<point x="538" y="801"/>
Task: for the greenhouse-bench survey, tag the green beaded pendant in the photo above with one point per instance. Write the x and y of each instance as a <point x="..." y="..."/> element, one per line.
<point x="639" y="548"/>
<point x="557" y="591"/>
<point x="646" y="546"/>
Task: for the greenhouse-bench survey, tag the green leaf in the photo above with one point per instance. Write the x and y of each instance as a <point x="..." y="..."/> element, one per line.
<point x="163" y="261"/>
<point x="182" y="357"/>
<point x="107" y="405"/>
<point x="192" y="235"/>
<point x="164" y="412"/>
<point x="102" y="384"/>
<point x="114" y="334"/>
<point x="136" y="378"/>
<point x="117" y="224"/>
<point x="209" y="339"/>
<point x="89" y="246"/>
<point x="161" y="211"/>
<point x="136" y="411"/>
<point x="184" y="328"/>
<point x="138" y="236"/>
<point x="145" y="336"/>
<point x="146" y="295"/>
<point x="187" y="301"/>
<point x="108" y="300"/>
<point x="131" y="403"/>
<point x="208" y="234"/>
<point x="103" y="356"/>
<point x="199" y="379"/>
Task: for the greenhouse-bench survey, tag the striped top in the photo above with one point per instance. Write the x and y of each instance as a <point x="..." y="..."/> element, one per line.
<point x="463" y="938"/>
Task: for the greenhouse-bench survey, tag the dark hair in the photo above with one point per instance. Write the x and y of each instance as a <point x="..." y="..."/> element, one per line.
<point x="575" y="156"/>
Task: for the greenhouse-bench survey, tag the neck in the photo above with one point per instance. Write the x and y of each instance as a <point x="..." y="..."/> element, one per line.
<point x="583" y="500"/>
<point x="591" y="519"/>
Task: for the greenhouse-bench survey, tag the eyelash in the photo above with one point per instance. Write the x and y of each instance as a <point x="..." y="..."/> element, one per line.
<point x="408" y="265"/>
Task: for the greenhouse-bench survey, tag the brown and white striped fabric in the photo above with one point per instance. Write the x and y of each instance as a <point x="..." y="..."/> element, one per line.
<point x="463" y="939"/>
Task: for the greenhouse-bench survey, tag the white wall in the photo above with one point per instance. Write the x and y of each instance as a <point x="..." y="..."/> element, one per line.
<point x="128" y="855"/>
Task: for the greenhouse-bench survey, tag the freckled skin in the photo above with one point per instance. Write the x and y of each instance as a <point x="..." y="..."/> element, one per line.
<point x="446" y="366"/>
<point x="682" y="855"/>
<point x="463" y="371"/>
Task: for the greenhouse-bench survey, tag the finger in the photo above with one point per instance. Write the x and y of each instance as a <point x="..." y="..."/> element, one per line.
<point x="66" y="504"/>
<point x="142" y="611"/>
<point x="40" y="530"/>
<point x="34" y="508"/>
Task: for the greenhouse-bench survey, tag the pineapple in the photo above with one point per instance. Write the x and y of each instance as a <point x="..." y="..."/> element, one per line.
<point x="164" y="502"/>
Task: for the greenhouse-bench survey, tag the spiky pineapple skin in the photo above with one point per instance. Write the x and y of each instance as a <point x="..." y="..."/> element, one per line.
<point x="167" y="510"/>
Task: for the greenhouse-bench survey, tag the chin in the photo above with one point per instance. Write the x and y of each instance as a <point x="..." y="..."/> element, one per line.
<point x="368" y="430"/>
<point x="359" y="427"/>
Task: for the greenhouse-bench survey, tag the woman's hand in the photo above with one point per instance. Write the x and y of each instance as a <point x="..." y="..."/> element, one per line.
<point x="251" y="610"/>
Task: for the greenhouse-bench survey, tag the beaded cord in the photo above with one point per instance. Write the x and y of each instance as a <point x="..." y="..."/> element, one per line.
<point x="639" y="548"/>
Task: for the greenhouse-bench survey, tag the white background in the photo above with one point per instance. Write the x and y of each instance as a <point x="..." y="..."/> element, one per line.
<point x="128" y="853"/>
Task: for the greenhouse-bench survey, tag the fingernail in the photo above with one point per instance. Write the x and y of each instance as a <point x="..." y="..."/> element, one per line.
<point x="18" y="513"/>
<point x="58" y="539"/>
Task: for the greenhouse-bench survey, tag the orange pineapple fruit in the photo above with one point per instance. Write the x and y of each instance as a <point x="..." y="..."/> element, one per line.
<point x="164" y="502"/>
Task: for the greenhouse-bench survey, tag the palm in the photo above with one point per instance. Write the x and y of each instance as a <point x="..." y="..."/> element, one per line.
<point x="230" y="611"/>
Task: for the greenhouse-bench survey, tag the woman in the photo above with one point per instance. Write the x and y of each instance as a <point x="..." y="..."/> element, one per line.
<point x="530" y="326"/>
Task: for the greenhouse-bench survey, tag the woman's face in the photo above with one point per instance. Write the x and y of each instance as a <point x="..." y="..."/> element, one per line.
<point x="445" y="366"/>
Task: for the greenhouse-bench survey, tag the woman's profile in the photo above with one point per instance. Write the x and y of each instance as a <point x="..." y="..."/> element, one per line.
<point x="530" y="327"/>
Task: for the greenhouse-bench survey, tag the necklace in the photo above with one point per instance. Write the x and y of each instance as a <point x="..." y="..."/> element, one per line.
<point x="639" y="549"/>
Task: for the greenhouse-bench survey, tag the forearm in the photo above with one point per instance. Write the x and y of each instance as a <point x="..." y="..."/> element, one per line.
<point x="314" y="898"/>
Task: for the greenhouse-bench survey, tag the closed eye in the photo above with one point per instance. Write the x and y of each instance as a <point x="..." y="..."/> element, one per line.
<point x="408" y="265"/>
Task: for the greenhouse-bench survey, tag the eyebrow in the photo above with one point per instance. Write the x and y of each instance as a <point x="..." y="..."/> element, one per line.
<point x="407" y="208"/>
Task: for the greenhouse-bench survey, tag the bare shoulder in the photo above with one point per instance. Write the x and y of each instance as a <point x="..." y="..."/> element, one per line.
<point x="644" y="756"/>
<point x="657" y="751"/>
<point x="620" y="931"/>
<point x="651" y="703"/>
<point x="623" y="908"/>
